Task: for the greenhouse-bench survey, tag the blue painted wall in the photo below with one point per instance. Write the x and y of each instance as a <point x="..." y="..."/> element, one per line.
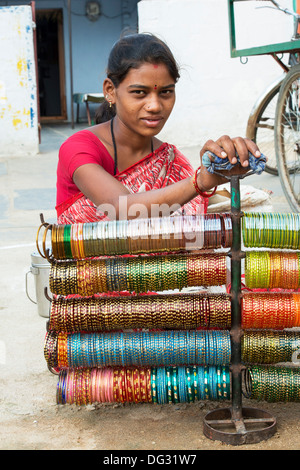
<point x="91" y="40"/>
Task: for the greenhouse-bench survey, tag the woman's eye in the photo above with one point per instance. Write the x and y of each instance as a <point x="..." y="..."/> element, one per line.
<point x="138" y="92"/>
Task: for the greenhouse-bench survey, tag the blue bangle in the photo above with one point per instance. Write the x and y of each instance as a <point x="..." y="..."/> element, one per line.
<point x="105" y="349"/>
<point x="181" y="384"/>
<point x="115" y="360"/>
<point x="195" y="383"/>
<point x="169" y="385"/>
<point x="206" y="384"/>
<point x="98" y="339"/>
<point x="219" y="383"/>
<point x="189" y="385"/>
<point x="213" y="380"/>
<point x="206" y="350"/>
<point x="69" y="349"/>
<point x="175" y="385"/>
<point x="161" y="386"/>
<point x="176" y="349"/>
<point x="200" y="370"/>
<point x="122" y="359"/>
<point x="74" y="341"/>
<point x="226" y="383"/>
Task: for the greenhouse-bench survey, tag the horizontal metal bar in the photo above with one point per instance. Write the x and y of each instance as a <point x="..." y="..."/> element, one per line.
<point x="245" y="420"/>
<point x="234" y="1"/>
<point x="269" y="49"/>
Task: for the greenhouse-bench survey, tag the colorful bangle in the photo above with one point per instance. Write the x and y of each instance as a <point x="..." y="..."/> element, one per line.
<point x="203" y="194"/>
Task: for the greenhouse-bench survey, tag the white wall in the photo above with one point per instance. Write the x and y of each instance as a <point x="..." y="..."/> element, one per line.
<point x="18" y="103"/>
<point x="215" y="93"/>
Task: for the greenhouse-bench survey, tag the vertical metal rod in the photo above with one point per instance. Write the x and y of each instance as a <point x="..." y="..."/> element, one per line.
<point x="236" y="299"/>
<point x="231" y="19"/>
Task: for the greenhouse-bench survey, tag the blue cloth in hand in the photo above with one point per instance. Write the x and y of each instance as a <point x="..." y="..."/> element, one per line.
<point x="256" y="164"/>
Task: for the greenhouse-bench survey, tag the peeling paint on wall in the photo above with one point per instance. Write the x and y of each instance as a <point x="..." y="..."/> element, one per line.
<point x="18" y="101"/>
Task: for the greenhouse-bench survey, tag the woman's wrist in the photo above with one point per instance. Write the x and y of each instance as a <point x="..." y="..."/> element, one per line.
<point x="204" y="192"/>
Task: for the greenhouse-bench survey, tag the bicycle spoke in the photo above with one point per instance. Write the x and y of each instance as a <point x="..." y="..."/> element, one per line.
<point x="287" y="137"/>
<point x="262" y="130"/>
<point x="262" y="125"/>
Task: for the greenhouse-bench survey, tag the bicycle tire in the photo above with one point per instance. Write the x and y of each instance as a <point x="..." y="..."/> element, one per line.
<point x="287" y="137"/>
<point x="261" y="122"/>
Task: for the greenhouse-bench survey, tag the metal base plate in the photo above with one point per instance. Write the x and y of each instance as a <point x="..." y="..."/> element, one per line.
<point x="253" y="426"/>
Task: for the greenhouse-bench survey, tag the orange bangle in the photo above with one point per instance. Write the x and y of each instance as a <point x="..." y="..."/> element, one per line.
<point x="203" y="194"/>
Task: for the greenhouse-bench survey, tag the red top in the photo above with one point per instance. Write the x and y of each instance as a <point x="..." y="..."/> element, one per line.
<point x="81" y="148"/>
<point x="165" y="166"/>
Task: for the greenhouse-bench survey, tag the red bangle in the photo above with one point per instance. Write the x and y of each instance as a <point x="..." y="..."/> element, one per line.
<point x="203" y="194"/>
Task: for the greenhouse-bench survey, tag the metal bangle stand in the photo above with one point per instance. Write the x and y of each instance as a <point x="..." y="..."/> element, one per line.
<point x="229" y="425"/>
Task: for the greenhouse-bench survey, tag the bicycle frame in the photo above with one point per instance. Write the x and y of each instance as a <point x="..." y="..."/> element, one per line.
<point x="271" y="49"/>
<point x="269" y="120"/>
<point x="260" y="102"/>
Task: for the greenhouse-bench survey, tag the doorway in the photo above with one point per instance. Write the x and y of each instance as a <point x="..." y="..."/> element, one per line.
<point x="51" y="64"/>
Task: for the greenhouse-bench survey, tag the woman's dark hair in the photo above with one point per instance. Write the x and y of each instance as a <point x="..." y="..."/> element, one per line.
<point x="129" y="53"/>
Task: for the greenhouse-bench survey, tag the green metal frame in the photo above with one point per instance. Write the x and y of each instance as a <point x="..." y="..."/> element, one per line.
<point x="268" y="49"/>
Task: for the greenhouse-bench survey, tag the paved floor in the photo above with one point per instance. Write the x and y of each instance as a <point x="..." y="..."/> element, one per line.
<point x="27" y="188"/>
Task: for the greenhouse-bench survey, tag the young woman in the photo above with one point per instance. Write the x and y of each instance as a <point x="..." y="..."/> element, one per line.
<point x="119" y="168"/>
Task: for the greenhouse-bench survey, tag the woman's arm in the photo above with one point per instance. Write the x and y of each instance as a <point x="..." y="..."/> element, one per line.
<point x="110" y="195"/>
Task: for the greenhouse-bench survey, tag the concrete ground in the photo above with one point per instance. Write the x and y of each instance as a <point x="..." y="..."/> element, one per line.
<point x="29" y="416"/>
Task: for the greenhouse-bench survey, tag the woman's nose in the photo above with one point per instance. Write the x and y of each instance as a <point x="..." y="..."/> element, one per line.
<point x="153" y="103"/>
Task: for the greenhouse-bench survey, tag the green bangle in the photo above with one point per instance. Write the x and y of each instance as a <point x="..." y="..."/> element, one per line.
<point x="67" y="241"/>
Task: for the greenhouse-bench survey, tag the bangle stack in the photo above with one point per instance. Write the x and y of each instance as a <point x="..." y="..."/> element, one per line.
<point x="269" y="347"/>
<point x="272" y="269"/>
<point x="143" y="385"/>
<point x="106" y="278"/>
<point x="273" y="383"/>
<point x="271" y="230"/>
<point x="140" y="348"/>
<point x="122" y="237"/>
<point x="111" y="277"/>
<point x="273" y="304"/>
<point x="155" y="311"/>
<point x="137" y="274"/>
<point x="277" y="310"/>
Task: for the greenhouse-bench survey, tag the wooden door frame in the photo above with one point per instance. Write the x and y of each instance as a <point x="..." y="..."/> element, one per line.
<point x="61" y="65"/>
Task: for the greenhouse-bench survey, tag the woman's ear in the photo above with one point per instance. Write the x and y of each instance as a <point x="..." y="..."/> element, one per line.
<point x="109" y="91"/>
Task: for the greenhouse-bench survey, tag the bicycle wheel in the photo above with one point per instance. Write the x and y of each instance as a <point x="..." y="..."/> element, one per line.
<point x="287" y="137"/>
<point x="260" y="126"/>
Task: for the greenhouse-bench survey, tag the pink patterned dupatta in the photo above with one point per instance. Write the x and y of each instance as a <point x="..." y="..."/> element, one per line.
<point x="163" y="167"/>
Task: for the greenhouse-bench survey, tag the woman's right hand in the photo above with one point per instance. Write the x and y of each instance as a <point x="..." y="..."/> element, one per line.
<point x="225" y="147"/>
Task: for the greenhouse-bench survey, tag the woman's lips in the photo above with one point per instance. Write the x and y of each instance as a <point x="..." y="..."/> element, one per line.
<point x="152" y="122"/>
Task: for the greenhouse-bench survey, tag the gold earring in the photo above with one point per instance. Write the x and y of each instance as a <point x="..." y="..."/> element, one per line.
<point x="110" y="103"/>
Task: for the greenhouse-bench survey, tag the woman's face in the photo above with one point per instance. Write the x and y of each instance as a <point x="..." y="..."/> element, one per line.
<point x="145" y="99"/>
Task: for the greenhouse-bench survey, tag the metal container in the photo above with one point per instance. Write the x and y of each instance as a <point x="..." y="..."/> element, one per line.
<point x="40" y="268"/>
